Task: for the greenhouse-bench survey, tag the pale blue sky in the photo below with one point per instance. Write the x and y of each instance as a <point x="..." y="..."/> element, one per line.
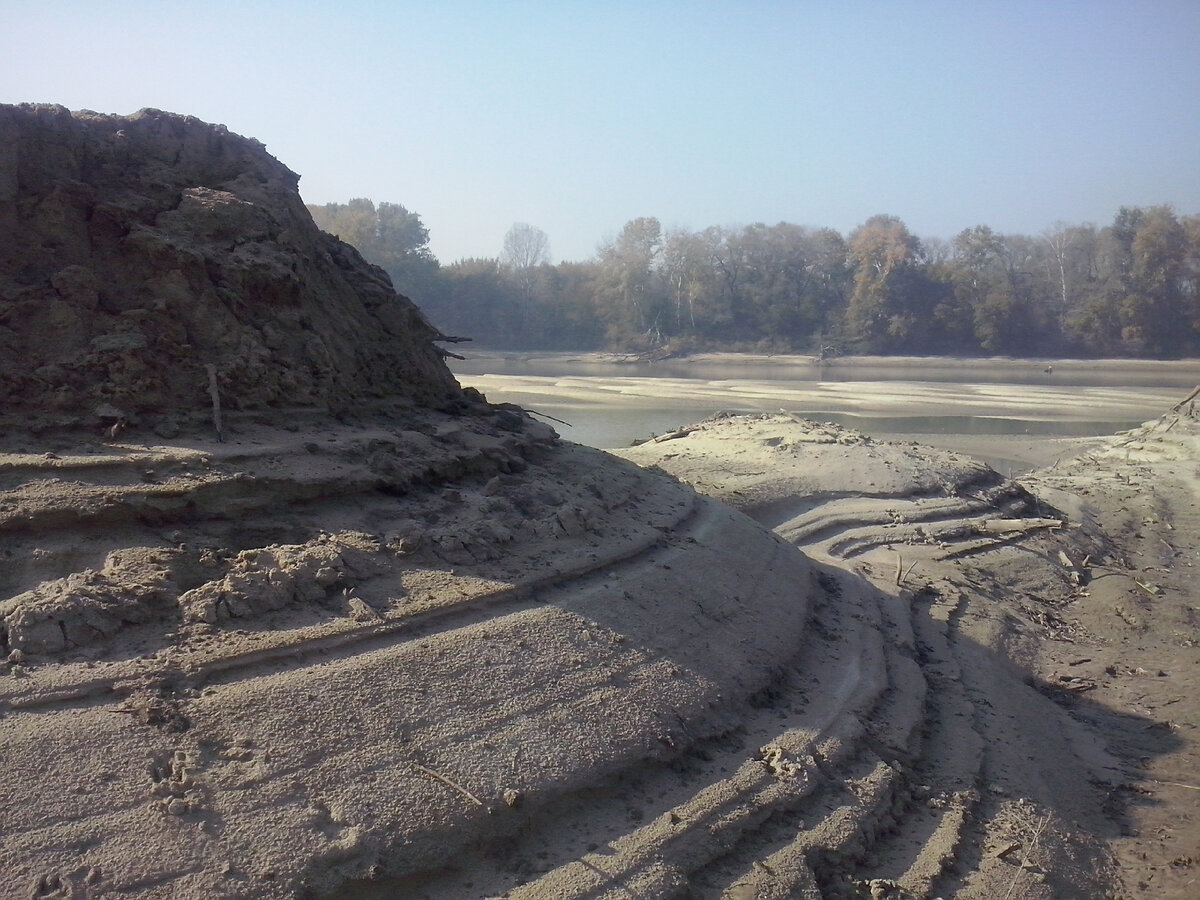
<point x="577" y="116"/>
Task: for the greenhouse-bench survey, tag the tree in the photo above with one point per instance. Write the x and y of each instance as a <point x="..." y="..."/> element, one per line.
<point x="683" y="263"/>
<point x="634" y="303"/>
<point x="885" y="311"/>
<point x="982" y="286"/>
<point x="1154" y="313"/>
<point x="526" y="250"/>
<point x="389" y="236"/>
<point x="525" y="247"/>
<point x="479" y="302"/>
<point x="1060" y="240"/>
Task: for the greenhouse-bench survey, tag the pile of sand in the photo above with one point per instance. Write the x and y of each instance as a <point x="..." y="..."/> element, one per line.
<point x="1033" y="650"/>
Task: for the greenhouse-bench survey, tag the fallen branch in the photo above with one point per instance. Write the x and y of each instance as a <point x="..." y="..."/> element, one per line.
<point x="548" y="416"/>
<point x="1032" y="846"/>
<point x="449" y="783"/>
<point x="1011" y="526"/>
<point x="675" y="435"/>
<point x="1192" y="396"/>
<point x="1190" y="787"/>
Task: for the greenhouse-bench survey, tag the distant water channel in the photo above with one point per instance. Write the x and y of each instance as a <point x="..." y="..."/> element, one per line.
<point x="611" y="403"/>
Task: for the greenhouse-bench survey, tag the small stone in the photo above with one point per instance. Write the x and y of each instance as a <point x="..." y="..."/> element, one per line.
<point x="167" y="428"/>
<point x="360" y="611"/>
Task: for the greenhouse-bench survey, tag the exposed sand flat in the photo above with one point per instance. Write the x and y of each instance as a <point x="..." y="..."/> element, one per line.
<point x="879" y="398"/>
<point x="972" y="405"/>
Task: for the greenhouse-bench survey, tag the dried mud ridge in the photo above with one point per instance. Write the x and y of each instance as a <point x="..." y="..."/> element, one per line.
<point x="344" y="665"/>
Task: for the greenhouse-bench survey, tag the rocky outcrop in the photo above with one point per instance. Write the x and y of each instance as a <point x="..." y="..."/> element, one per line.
<point x="146" y="258"/>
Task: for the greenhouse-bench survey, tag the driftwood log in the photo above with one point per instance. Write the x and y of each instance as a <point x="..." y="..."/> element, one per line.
<point x="1188" y="399"/>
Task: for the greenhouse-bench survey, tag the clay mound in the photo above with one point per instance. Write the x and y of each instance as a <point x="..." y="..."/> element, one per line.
<point x="144" y="256"/>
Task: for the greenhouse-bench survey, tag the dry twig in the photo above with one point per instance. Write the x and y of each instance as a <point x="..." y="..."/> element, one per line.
<point x="449" y="783"/>
<point x="1037" y="833"/>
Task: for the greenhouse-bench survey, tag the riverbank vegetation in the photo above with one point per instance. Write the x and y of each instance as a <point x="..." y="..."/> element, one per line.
<point x="1130" y="288"/>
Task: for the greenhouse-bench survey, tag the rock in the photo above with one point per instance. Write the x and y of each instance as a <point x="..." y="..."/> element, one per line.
<point x="571" y="520"/>
<point x="167" y="428"/>
<point x="1010" y="847"/>
<point x="360" y="611"/>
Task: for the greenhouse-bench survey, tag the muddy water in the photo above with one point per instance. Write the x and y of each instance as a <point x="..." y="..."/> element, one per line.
<point x="612" y="404"/>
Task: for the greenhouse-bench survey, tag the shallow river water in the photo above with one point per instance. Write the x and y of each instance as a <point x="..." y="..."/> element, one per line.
<point x="611" y="403"/>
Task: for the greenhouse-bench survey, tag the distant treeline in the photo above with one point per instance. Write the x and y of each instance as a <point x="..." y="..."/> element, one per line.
<point x="1131" y="288"/>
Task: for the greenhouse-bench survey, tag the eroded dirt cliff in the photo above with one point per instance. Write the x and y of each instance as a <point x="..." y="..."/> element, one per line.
<point x="148" y="262"/>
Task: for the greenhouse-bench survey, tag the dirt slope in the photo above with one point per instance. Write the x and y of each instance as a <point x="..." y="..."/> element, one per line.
<point x="1035" y="725"/>
<point x="342" y="681"/>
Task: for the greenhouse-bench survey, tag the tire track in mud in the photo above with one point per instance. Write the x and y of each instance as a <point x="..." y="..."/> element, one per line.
<point x="581" y="597"/>
<point x="699" y="805"/>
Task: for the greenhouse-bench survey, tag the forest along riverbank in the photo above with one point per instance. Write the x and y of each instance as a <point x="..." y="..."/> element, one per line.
<point x="1014" y="414"/>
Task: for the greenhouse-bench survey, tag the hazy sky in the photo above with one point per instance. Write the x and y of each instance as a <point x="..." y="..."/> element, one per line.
<point x="578" y="116"/>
